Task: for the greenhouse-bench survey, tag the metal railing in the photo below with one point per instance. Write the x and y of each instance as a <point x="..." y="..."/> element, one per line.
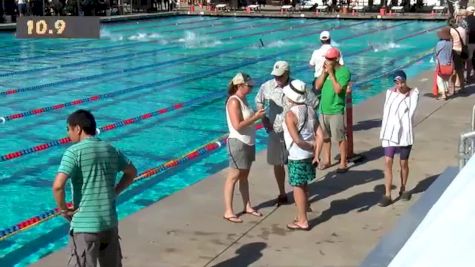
<point x="467" y="143"/>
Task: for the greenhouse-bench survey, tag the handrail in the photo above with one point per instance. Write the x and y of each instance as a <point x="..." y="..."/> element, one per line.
<point x="466" y="152"/>
<point x="473" y="118"/>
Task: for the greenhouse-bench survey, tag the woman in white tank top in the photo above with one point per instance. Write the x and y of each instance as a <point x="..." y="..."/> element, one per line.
<point x="299" y="134"/>
<point x="241" y="144"/>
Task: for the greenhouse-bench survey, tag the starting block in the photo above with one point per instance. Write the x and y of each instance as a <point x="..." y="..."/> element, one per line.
<point x="396" y="9"/>
<point x="321" y="9"/>
<point x="438" y="10"/>
<point x="221" y="7"/>
<point x="252" y="8"/>
<point x="286" y="8"/>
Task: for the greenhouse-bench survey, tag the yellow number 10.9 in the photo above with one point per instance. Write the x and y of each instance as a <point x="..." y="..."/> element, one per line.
<point x="60" y="25"/>
<point x="42" y="27"/>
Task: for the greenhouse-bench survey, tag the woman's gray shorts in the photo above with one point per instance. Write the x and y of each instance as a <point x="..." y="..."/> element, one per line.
<point x="241" y="155"/>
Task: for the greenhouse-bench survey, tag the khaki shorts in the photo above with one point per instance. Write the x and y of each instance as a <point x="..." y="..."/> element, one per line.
<point x="276" y="151"/>
<point x="333" y="127"/>
<point x="89" y="248"/>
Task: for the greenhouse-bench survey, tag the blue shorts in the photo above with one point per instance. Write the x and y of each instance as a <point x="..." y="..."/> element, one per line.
<point x="403" y="151"/>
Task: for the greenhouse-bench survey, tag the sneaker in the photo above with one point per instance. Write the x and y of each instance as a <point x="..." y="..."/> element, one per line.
<point x="385" y="201"/>
<point x="406" y="196"/>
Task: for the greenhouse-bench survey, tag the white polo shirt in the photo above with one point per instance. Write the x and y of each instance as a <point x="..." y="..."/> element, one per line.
<point x="318" y="58"/>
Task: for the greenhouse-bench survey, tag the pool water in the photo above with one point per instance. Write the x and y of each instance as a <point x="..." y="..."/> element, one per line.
<point x="140" y="67"/>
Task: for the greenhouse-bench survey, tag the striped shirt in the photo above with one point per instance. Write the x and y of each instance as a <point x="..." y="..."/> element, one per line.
<point x="272" y="98"/>
<point x="92" y="165"/>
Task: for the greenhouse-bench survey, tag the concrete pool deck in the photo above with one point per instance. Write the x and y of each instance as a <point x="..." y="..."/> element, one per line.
<point x="187" y="229"/>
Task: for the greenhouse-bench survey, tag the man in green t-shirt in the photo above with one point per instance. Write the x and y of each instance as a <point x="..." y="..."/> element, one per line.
<point x="92" y="165"/>
<point x="333" y="83"/>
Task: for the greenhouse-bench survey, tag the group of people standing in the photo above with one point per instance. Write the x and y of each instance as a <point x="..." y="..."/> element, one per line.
<point x="454" y="54"/>
<point x="290" y="113"/>
<point x="301" y="121"/>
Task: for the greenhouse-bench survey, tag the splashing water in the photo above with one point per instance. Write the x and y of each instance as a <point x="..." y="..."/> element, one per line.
<point x="384" y="47"/>
<point x="278" y="43"/>
<point x="105" y="34"/>
<point x="192" y="40"/>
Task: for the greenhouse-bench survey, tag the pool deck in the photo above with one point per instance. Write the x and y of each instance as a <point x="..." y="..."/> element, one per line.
<point x="267" y="11"/>
<point x="187" y="228"/>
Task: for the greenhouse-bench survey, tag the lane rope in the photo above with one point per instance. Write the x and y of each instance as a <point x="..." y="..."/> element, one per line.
<point x="207" y="148"/>
<point x="190" y="156"/>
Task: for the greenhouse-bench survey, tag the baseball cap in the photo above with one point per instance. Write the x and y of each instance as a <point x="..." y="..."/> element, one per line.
<point x="332" y="53"/>
<point x="470" y="9"/>
<point x="280" y="67"/>
<point x="241" y="78"/>
<point x="399" y="75"/>
<point x="325" y="35"/>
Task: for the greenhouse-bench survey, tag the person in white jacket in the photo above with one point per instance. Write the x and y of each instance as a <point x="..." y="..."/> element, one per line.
<point x="397" y="133"/>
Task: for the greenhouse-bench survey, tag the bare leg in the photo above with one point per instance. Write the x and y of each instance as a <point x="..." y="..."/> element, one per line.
<point x="404" y="173"/>
<point x="244" y="189"/>
<point x="301" y="202"/>
<point x="451" y="85"/>
<point x="231" y="180"/>
<point x="343" y="153"/>
<point x="318" y="142"/>
<point x="327" y="152"/>
<point x="279" y="172"/>
<point x="388" y="173"/>
<point x="309" y="208"/>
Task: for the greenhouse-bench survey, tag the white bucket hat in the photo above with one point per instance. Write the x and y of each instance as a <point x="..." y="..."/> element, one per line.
<point x="295" y="91"/>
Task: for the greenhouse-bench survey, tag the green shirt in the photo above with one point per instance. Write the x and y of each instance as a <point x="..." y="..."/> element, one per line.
<point x="331" y="102"/>
<point x="92" y="165"/>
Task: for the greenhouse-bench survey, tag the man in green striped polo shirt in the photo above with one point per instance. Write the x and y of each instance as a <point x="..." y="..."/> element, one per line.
<point x="92" y="165"/>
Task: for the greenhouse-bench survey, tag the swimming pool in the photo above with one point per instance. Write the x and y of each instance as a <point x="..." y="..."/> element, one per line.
<point x="140" y="67"/>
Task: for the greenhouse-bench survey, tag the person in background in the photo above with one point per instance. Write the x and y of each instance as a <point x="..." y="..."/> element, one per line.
<point x="21" y="5"/>
<point x="317" y="61"/>
<point x="318" y="56"/>
<point x="459" y="38"/>
<point x="92" y="165"/>
<point x="333" y="84"/>
<point x="443" y="58"/>
<point x="241" y="144"/>
<point x="470" y="21"/>
<point x="397" y="133"/>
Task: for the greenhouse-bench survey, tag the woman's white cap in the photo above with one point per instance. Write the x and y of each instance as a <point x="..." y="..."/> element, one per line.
<point x="295" y="91"/>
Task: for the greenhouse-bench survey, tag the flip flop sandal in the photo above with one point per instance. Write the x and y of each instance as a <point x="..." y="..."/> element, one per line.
<point x="253" y="213"/>
<point x="324" y="166"/>
<point x="294" y="226"/>
<point x="233" y="219"/>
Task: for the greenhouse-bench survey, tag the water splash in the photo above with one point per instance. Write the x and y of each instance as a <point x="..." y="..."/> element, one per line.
<point x="278" y="43"/>
<point x="192" y="40"/>
<point x="106" y="34"/>
<point x="384" y="47"/>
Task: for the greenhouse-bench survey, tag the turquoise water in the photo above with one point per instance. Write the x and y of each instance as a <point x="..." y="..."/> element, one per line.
<point x="154" y="64"/>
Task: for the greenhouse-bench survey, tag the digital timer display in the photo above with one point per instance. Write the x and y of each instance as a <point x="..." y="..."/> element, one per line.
<point x="58" y="27"/>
